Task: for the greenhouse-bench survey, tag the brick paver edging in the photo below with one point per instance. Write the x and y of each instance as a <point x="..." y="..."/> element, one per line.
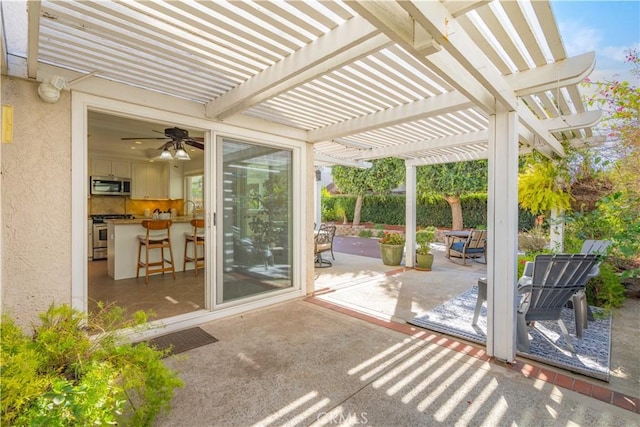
<point x="528" y="370"/>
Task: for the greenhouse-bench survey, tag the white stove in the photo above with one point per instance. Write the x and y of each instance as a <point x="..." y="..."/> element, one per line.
<point x="100" y="233"/>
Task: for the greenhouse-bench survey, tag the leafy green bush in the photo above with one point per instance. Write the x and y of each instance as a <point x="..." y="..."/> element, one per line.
<point x="339" y="212"/>
<point x="605" y="290"/>
<point x="380" y="234"/>
<point x="64" y="376"/>
<point x="365" y="233"/>
<point x="378" y="227"/>
<point x="328" y="214"/>
<point x="614" y="219"/>
<point x="434" y="211"/>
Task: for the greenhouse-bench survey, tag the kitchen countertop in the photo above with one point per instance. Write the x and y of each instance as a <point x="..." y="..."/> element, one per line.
<point x="179" y="219"/>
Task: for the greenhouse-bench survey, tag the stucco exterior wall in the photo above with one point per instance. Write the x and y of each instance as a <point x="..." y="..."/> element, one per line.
<point x="36" y="203"/>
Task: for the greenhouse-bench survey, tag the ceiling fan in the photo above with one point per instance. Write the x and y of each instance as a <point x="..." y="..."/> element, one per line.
<point x="178" y="138"/>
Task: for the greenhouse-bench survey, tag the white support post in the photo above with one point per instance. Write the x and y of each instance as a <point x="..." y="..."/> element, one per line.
<point x="410" y="213"/>
<point x="557" y="230"/>
<point x="317" y="217"/>
<point x="502" y="227"/>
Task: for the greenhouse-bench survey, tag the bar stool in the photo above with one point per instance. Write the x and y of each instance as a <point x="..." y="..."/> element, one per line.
<point x="155" y="241"/>
<point x="197" y="238"/>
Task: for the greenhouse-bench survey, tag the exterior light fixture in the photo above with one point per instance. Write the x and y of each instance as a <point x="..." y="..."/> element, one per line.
<point x="49" y="91"/>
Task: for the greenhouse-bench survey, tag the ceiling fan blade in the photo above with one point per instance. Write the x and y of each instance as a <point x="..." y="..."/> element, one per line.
<point x="166" y="145"/>
<point x="194" y="143"/>
<point x="135" y="139"/>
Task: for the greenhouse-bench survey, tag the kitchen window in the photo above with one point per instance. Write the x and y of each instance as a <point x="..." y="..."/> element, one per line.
<point x="195" y="193"/>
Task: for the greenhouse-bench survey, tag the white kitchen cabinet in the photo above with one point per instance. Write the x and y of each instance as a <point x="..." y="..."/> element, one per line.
<point x="107" y="167"/>
<point x="148" y="181"/>
<point x="175" y="179"/>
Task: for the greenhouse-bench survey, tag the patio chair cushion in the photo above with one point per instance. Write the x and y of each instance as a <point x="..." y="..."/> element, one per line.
<point x="459" y="247"/>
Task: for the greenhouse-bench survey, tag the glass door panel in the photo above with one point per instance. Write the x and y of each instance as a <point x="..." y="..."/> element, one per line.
<point x="257" y="220"/>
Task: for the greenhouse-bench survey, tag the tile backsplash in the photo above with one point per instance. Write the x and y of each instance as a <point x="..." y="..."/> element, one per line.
<point x="137" y="207"/>
<point x="124" y="205"/>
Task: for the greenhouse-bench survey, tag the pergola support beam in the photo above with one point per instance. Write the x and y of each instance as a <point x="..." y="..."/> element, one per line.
<point x="347" y="43"/>
<point x="502" y="235"/>
<point x="33" y="36"/>
<point x="421" y="109"/>
<point x="410" y="215"/>
<point x="563" y="73"/>
<point x="330" y="160"/>
<point x="463" y="140"/>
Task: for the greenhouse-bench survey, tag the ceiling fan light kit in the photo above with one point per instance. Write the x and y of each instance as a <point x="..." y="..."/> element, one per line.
<point x="165" y="155"/>
<point x="179" y="137"/>
<point x="181" y="154"/>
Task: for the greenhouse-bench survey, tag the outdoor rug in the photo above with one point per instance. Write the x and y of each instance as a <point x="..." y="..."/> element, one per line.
<point x="182" y="341"/>
<point x="593" y="351"/>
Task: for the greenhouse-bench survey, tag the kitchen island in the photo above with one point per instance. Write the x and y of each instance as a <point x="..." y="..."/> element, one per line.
<point x="122" y="246"/>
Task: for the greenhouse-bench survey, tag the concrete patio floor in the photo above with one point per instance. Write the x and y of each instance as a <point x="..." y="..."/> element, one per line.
<point x="396" y="294"/>
<point x="347" y="357"/>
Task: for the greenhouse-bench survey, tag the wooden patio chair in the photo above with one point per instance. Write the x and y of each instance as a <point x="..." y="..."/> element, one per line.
<point x="473" y="246"/>
<point x="554" y="281"/>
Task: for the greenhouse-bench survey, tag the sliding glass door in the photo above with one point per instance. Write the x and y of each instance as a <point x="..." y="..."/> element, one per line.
<point x="257" y="217"/>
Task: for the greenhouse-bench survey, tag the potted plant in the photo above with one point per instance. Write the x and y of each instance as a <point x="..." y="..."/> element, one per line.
<point x="392" y="248"/>
<point x="424" y="257"/>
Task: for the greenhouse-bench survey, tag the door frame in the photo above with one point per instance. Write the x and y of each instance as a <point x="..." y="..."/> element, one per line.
<point x="81" y="103"/>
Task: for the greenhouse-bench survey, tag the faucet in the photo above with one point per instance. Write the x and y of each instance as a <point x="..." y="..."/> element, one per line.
<point x="193" y="210"/>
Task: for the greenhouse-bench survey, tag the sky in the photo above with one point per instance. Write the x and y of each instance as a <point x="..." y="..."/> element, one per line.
<point x="607" y="27"/>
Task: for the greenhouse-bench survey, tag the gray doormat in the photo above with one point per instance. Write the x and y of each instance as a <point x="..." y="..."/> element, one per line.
<point x="181" y="341"/>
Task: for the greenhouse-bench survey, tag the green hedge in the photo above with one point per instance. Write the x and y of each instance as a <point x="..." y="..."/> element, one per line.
<point x="391" y="210"/>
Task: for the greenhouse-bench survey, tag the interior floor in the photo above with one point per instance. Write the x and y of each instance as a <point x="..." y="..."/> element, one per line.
<point x="163" y="295"/>
<point x="166" y="297"/>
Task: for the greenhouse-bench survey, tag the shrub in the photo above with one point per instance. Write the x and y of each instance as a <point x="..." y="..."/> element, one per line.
<point x="340" y="213"/>
<point x="380" y="234"/>
<point x="63" y="375"/>
<point x="522" y="260"/>
<point x="391" y="210"/>
<point x="378" y="227"/>
<point x="365" y="233"/>
<point x="605" y="290"/>
<point x="534" y="240"/>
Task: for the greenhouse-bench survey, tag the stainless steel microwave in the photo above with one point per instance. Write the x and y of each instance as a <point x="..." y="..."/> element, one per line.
<point x="109" y="186"/>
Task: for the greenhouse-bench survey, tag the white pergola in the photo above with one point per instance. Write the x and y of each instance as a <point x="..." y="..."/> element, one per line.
<point x="425" y="81"/>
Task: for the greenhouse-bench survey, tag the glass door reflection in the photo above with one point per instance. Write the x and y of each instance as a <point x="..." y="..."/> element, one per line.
<point x="256" y="220"/>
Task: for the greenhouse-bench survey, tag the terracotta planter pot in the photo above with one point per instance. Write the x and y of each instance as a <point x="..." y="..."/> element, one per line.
<point x="391" y="254"/>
